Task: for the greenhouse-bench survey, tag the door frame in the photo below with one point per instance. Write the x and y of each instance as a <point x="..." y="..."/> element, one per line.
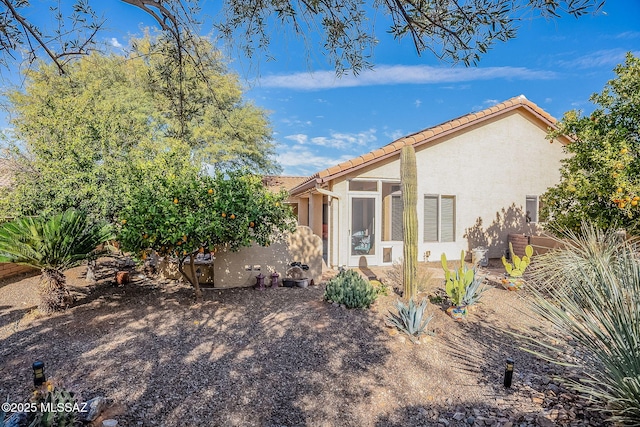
<point x="354" y="260"/>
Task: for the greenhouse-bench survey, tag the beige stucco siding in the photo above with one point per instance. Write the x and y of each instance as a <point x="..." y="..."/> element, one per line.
<point x="490" y="169"/>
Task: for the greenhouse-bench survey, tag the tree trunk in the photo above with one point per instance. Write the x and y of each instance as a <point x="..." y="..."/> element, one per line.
<point x="192" y="268"/>
<point x="54" y="295"/>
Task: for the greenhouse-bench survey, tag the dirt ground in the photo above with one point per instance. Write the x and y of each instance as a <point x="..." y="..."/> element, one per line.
<point x="278" y="357"/>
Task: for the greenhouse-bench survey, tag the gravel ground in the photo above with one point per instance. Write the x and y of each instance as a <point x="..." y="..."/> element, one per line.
<point x="278" y="357"/>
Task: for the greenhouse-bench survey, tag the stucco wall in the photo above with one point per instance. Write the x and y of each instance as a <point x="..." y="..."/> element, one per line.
<point x="490" y="169"/>
<point x="9" y="270"/>
<point x="239" y="269"/>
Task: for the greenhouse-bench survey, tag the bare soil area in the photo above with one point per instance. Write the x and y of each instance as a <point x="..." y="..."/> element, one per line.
<point x="278" y="357"/>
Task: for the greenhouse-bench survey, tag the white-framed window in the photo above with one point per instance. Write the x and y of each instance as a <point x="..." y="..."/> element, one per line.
<point x="439" y="218"/>
<point x="532" y="207"/>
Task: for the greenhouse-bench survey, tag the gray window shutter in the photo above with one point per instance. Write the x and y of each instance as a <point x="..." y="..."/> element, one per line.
<point x="396" y="218"/>
<point x="448" y="225"/>
<point x="430" y="218"/>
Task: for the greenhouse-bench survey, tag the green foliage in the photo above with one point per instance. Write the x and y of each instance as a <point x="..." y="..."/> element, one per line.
<point x="457" y="282"/>
<point x="58" y="242"/>
<point x="409" y="180"/>
<point x="519" y="264"/>
<point x="454" y="31"/>
<point x="380" y="287"/>
<point x="600" y="181"/>
<point x="53" y="244"/>
<point x="350" y="289"/>
<point x="181" y="216"/>
<point x="474" y="291"/>
<point x="411" y="318"/>
<point x="51" y="398"/>
<point x="590" y="290"/>
<point x="88" y="138"/>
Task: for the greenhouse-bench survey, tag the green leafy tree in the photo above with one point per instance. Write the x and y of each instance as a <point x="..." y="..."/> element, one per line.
<point x="52" y="244"/>
<point x="600" y="181"/>
<point x="181" y="217"/>
<point x="455" y="30"/>
<point x="86" y="138"/>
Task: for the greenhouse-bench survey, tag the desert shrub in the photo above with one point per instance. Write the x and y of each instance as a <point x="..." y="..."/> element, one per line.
<point x="350" y="289"/>
<point x="424" y="277"/>
<point x="590" y="290"/>
<point x="381" y="287"/>
<point x="411" y="319"/>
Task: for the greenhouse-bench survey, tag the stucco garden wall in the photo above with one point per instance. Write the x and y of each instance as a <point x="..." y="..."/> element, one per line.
<point x="9" y="270"/>
<point x="239" y="269"/>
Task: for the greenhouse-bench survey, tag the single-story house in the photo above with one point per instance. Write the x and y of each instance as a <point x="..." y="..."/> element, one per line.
<point x="480" y="177"/>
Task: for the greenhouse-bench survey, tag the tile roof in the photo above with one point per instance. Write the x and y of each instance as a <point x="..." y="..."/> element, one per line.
<point x="424" y="136"/>
<point x="276" y="182"/>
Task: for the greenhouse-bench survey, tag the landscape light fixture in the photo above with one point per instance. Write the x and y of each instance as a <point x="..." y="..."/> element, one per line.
<point x="38" y="373"/>
<point x="508" y="373"/>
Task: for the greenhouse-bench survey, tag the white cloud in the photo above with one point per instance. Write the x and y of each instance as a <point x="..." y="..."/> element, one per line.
<point x="296" y="122"/>
<point x="417" y="103"/>
<point x="401" y="74"/>
<point x="337" y="140"/>
<point x="115" y="43"/>
<point x="628" y="35"/>
<point x="302" y="161"/>
<point x="394" y="135"/>
<point x="486" y="104"/>
<point x="600" y="58"/>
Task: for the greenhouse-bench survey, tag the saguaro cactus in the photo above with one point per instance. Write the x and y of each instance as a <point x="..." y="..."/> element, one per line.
<point x="409" y="179"/>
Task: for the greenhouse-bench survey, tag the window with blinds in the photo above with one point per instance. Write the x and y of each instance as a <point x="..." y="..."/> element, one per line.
<point x="439" y="218"/>
<point x="448" y="221"/>
<point x="396" y="218"/>
<point x="431" y="218"/>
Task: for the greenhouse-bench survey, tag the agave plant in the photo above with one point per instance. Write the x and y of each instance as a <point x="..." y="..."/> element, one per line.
<point x="52" y="245"/>
<point x="411" y="318"/>
<point x="590" y="290"/>
<point x="473" y="292"/>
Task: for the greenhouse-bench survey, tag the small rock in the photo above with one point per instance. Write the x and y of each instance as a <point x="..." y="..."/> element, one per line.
<point x="458" y="416"/>
<point x="554" y="388"/>
<point x="94" y="408"/>
<point x="443" y="422"/>
<point x="471" y="420"/>
<point x="543" y="421"/>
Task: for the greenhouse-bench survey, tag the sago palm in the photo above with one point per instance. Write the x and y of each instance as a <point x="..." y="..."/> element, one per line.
<point x="53" y="245"/>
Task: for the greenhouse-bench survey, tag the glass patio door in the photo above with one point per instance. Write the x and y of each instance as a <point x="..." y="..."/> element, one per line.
<point x="363" y="230"/>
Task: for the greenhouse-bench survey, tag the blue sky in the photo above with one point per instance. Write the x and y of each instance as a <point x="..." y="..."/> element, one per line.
<point x="319" y="119"/>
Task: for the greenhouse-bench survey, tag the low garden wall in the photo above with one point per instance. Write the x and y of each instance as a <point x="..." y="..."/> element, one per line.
<point x="239" y="269"/>
<point x="9" y="269"/>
